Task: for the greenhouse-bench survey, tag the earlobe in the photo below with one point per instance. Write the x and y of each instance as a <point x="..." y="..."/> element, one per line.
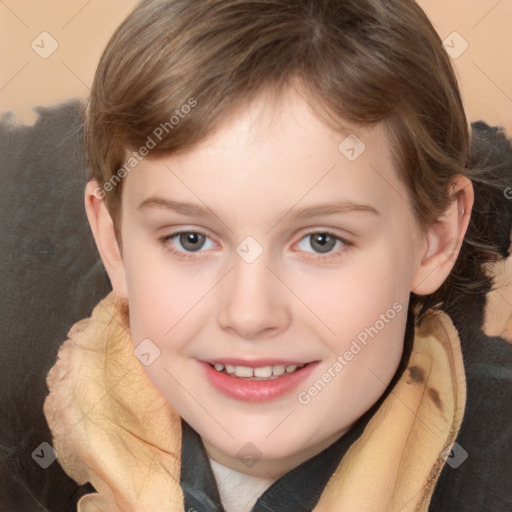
<point x="444" y="240"/>
<point x="102" y="228"/>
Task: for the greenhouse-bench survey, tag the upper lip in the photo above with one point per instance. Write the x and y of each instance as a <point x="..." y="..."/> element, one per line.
<point x="255" y="363"/>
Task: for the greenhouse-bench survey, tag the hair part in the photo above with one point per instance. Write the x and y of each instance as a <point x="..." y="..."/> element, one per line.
<point x="362" y="62"/>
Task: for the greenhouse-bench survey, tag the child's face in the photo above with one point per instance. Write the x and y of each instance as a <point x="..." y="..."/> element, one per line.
<point x="343" y="308"/>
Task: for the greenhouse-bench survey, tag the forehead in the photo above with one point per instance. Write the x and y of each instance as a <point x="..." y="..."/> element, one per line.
<point x="274" y="152"/>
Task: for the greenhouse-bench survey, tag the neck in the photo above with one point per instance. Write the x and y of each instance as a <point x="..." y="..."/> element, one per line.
<point x="238" y="491"/>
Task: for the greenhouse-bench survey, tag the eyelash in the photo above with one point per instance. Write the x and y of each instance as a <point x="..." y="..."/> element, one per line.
<point x="165" y="241"/>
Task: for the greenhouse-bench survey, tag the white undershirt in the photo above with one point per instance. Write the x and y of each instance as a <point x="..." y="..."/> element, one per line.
<point x="238" y="491"/>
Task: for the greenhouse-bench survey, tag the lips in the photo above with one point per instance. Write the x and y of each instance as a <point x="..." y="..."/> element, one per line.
<point x="253" y="388"/>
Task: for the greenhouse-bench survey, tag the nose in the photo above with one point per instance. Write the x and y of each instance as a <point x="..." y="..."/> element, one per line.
<point x="253" y="302"/>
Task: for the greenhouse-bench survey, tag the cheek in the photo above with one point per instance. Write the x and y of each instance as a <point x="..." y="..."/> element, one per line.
<point x="363" y="313"/>
<point x="162" y="293"/>
<point x="353" y="298"/>
<point x="368" y="318"/>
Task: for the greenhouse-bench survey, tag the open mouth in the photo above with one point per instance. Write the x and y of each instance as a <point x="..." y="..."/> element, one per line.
<point x="259" y="382"/>
<point x="261" y="373"/>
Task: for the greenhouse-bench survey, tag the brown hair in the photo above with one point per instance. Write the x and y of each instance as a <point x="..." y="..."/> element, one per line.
<point x="362" y="61"/>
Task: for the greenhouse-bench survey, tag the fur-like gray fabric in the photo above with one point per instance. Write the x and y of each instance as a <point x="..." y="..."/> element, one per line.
<point x="51" y="277"/>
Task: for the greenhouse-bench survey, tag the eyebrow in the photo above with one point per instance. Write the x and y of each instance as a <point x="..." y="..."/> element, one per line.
<point x="191" y="209"/>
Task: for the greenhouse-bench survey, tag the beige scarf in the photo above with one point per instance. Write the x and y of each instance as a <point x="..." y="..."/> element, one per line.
<point x="111" y="426"/>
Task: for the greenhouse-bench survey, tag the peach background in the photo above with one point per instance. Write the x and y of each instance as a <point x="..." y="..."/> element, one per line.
<point x="82" y="28"/>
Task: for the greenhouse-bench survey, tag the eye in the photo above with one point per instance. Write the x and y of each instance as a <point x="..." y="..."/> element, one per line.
<point x="184" y="244"/>
<point x="190" y="242"/>
<point x="321" y="243"/>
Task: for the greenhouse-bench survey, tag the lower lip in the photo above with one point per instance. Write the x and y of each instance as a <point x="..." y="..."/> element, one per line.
<point x="256" y="390"/>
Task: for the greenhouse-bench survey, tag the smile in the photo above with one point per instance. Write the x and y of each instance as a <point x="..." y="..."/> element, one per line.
<point x="256" y="383"/>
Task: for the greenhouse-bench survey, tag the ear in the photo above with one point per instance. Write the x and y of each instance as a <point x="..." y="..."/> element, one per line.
<point x="102" y="229"/>
<point x="444" y="239"/>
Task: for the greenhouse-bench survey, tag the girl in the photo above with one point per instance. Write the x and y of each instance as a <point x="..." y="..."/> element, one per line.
<point x="287" y="335"/>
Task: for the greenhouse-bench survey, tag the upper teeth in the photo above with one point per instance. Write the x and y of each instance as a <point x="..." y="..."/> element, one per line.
<point x="264" y="371"/>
